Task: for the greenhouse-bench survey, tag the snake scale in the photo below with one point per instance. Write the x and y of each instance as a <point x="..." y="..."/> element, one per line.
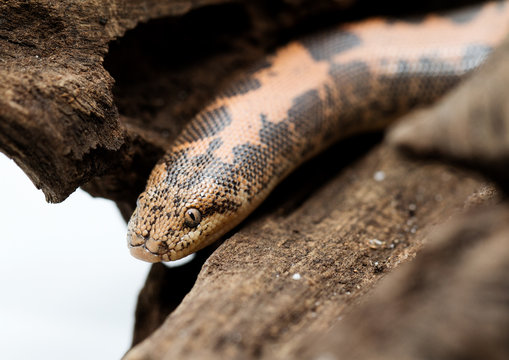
<point x="293" y="104"/>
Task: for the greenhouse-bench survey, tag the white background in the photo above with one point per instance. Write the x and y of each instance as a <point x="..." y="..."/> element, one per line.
<point x="68" y="285"/>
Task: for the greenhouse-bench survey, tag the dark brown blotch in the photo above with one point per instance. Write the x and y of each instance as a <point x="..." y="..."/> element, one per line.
<point x="242" y="86"/>
<point x="206" y="124"/>
<point x="324" y="46"/>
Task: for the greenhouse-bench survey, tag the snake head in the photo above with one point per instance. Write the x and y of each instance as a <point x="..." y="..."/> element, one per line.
<point x="187" y="204"/>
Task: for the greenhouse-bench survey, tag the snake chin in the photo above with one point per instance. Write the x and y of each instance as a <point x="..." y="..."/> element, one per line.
<point x="142" y="253"/>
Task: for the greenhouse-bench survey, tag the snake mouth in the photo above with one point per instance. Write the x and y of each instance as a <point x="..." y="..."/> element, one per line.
<point x="136" y="244"/>
<point x="142" y="253"/>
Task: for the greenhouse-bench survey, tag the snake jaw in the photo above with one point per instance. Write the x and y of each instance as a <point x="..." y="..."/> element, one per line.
<point x="142" y="253"/>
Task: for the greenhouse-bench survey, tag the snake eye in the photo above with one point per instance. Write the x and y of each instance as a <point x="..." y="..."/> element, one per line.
<point x="192" y="217"/>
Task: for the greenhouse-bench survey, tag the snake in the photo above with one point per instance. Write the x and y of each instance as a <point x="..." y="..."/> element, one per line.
<point x="291" y="105"/>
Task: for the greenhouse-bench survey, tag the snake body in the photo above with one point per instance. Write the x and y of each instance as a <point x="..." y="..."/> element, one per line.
<point x="292" y="105"/>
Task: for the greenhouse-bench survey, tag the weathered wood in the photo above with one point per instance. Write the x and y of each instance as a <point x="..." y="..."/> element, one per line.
<point x="291" y="273"/>
<point x="450" y="303"/>
<point x="58" y="120"/>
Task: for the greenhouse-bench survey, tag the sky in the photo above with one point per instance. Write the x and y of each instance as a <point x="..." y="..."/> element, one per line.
<point x="68" y="285"/>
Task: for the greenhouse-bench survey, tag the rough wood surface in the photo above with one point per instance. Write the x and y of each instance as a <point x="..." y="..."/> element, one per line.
<point x="452" y="302"/>
<point x="58" y="120"/>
